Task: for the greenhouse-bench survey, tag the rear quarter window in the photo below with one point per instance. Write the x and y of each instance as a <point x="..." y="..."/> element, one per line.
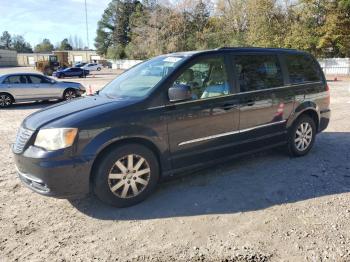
<point x="302" y="69"/>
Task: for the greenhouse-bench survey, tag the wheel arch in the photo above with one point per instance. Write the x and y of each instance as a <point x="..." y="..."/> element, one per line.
<point x="132" y="140"/>
<point x="310" y="109"/>
<point x="68" y="88"/>
<point x="12" y="97"/>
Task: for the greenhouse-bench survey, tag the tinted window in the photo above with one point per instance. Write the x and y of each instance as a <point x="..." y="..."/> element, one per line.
<point x="257" y="72"/>
<point x="302" y="69"/>
<point x="206" y="78"/>
<point x="18" y="79"/>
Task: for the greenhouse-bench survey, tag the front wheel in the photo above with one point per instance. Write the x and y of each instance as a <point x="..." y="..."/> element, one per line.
<point x="98" y="68"/>
<point x="69" y="94"/>
<point x="5" y="100"/>
<point x="126" y="175"/>
<point x="302" y="136"/>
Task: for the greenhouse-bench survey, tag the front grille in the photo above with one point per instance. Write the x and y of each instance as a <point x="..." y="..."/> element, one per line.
<point x="22" y="139"/>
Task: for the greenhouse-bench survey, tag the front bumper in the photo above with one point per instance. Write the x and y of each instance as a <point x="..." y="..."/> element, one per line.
<point x="55" y="175"/>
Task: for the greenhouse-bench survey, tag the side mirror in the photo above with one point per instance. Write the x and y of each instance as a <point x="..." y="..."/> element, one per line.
<point x="179" y="92"/>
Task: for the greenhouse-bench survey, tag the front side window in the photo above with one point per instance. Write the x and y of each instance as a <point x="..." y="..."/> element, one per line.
<point x="258" y="72"/>
<point x="206" y="78"/>
<point x="302" y="69"/>
<point x="38" y="80"/>
<point x="141" y="79"/>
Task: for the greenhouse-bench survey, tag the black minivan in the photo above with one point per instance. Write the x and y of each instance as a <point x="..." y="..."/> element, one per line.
<point x="171" y="114"/>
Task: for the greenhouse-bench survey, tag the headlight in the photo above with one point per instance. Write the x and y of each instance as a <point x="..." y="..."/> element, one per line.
<point x="55" y="138"/>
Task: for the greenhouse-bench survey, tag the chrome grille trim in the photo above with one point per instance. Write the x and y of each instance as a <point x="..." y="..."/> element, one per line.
<point x="22" y="138"/>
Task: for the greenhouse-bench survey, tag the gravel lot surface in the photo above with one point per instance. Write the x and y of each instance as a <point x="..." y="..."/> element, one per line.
<point x="264" y="207"/>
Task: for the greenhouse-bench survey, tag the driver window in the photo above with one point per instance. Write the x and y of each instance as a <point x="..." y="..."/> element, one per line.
<point x="206" y="78"/>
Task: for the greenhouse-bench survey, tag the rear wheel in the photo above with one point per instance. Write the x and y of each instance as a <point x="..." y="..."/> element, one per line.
<point x="5" y="100"/>
<point x="302" y="136"/>
<point x="126" y="175"/>
<point x="69" y="94"/>
<point x="98" y="68"/>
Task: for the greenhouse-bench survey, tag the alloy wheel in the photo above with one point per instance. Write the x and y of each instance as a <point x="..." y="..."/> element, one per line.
<point x="70" y="94"/>
<point x="5" y="100"/>
<point x="303" y="136"/>
<point x="129" y="176"/>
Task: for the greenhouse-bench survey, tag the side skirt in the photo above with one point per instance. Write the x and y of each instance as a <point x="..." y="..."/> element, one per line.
<point x="190" y="169"/>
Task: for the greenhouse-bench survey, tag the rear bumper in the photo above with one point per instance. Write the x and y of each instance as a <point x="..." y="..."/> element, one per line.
<point x="56" y="177"/>
<point x="325" y="116"/>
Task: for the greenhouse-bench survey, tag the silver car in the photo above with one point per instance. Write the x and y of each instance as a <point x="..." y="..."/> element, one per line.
<point x="35" y="87"/>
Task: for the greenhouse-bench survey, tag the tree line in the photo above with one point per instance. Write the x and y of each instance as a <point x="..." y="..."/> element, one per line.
<point x="19" y="44"/>
<point x="142" y="29"/>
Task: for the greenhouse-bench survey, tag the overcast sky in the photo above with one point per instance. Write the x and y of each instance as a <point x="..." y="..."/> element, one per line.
<point x="53" y="19"/>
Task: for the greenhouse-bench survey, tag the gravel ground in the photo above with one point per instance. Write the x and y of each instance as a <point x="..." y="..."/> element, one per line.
<point x="264" y="207"/>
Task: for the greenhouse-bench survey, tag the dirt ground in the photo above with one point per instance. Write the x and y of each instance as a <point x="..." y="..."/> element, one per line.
<point x="264" y="207"/>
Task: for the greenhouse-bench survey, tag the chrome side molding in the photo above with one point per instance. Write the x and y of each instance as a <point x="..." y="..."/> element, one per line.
<point x="229" y="133"/>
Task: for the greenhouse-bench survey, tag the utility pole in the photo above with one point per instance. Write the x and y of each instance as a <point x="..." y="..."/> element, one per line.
<point x="87" y="30"/>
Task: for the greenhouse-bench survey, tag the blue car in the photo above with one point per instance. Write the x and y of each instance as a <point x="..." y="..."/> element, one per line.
<point x="71" y="72"/>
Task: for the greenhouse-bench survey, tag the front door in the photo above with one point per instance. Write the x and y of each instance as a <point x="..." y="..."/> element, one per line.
<point x="41" y="86"/>
<point x="266" y="101"/>
<point x="202" y="129"/>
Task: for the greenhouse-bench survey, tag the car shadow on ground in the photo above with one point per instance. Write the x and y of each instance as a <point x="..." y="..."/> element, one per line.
<point x="245" y="184"/>
<point x="32" y="105"/>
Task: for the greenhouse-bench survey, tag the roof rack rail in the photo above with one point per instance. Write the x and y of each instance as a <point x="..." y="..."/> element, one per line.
<point x="253" y="47"/>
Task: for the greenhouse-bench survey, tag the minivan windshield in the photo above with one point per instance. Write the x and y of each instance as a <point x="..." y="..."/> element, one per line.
<point x="142" y="78"/>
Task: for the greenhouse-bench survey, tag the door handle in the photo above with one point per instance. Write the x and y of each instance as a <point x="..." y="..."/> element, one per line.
<point x="249" y="102"/>
<point x="228" y="106"/>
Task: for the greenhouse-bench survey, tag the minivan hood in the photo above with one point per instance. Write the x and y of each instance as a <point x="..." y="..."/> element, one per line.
<point x="61" y="110"/>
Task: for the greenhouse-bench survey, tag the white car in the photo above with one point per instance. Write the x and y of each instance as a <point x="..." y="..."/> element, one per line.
<point x="92" y="67"/>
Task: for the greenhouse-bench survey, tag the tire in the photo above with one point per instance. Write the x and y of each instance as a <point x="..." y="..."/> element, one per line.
<point x="98" y="68"/>
<point x="69" y="94"/>
<point x="120" y="191"/>
<point x="5" y="100"/>
<point x="301" y="136"/>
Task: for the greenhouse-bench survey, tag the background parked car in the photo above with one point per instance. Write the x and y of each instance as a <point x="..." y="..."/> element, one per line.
<point x="80" y="64"/>
<point x="71" y="72"/>
<point x="35" y="87"/>
<point x="92" y="67"/>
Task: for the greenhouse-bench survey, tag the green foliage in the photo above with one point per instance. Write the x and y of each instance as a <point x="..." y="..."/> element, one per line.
<point x="140" y="30"/>
<point x="16" y="43"/>
<point x="5" y="40"/>
<point x="44" y="46"/>
<point x="20" y="45"/>
<point x="65" y="45"/>
<point x="113" y="32"/>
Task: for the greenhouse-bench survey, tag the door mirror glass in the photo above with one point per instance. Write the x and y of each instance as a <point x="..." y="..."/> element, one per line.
<point x="179" y="92"/>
